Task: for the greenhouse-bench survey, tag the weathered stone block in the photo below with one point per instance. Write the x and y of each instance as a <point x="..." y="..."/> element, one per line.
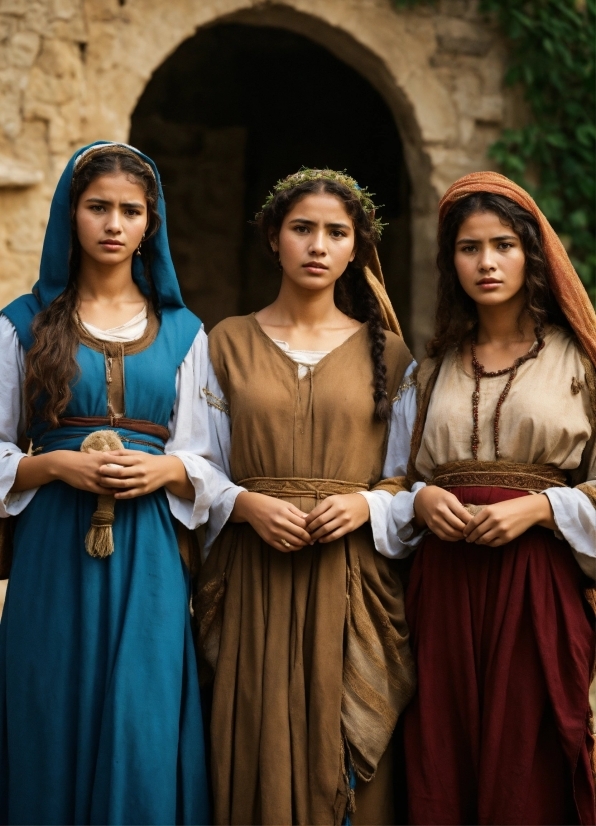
<point x="65" y="9"/>
<point x="454" y="8"/>
<point x="8" y="26"/>
<point x="17" y="7"/>
<point x="15" y="174"/>
<point x="433" y="107"/>
<point x="24" y="47"/>
<point x="10" y="102"/>
<point x="37" y="18"/>
<point x="462" y="37"/>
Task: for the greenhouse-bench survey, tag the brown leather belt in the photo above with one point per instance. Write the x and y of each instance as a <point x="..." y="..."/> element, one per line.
<point x="296" y="486"/>
<point x="512" y="475"/>
<point x="135" y="425"/>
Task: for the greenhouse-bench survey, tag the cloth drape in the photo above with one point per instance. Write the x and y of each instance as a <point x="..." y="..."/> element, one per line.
<point x="374" y="278"/>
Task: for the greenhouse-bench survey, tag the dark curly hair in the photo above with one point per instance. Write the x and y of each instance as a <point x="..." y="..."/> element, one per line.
<point x="456" y="314"/>
<point x="352" y="294"/>
<point x="51" y="365"/>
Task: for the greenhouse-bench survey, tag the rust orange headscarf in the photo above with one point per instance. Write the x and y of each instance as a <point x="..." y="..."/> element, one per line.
<point x="565" y="282"/>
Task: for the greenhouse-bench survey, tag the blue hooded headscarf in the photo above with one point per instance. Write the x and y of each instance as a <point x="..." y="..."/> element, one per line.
<point x="53" y="270"/>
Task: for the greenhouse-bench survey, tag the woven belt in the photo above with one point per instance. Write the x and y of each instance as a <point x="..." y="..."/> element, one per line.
<point x="512" y="475"/>
<point x="293" y="487"/>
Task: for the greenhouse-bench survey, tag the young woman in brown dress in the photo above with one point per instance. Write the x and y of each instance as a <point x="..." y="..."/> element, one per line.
<point x="301" y="620"/>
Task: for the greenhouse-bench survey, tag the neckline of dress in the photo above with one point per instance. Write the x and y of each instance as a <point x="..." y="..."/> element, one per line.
<point x="125" y="348"/>
<point x="287" y="349"/>
<point x="92" y="329"/>
<point x="291" y="361"/>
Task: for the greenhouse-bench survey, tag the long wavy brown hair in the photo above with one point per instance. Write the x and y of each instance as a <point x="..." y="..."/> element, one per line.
<point x="456" y="314"/>
<point x="51" y="367"/>
<point x="352" y="295"/>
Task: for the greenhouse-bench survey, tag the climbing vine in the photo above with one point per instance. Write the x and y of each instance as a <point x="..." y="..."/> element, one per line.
<point x="554" y="155"/>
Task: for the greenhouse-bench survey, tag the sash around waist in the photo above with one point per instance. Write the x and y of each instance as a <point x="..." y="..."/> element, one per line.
<point x="73" y="430"/>
<point x="295" y="486"/>
<point x="136" y="425"/>
<point x="511" y="475"/>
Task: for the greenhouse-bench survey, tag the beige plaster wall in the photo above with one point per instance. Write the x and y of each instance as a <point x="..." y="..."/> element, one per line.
<point x="71" y="71"/>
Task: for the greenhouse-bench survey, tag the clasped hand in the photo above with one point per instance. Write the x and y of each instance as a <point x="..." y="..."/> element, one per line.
<point x="287" y="528"/>
<point x="443" y="514"/>
<point x="131" y="473"/>
<point x="125" y="474"/>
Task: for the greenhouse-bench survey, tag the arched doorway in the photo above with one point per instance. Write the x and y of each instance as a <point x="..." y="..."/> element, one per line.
<point x="233" y="109"/>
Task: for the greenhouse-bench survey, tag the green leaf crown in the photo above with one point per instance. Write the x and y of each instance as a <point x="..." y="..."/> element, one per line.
<point x="305" y="174"/>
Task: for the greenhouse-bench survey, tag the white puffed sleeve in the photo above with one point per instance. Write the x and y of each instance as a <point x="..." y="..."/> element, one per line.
<point x="12" y="419"/>
<point x="575" y="516"/>
<point x="194" y="440"/>
<point x="392" y="539"/>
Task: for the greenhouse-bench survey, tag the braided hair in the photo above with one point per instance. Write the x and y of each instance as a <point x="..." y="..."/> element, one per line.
<point x="352" y="295"/>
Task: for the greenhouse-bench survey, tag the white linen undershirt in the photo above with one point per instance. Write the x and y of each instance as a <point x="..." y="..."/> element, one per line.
<point x="131" y="330"/>
<point x="305" y="359"/>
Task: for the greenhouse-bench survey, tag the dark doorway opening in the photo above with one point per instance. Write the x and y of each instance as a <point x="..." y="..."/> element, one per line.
<point x="234" y="109"/>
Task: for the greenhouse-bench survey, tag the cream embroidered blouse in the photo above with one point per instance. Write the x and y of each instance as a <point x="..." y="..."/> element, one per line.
<point x="545" y="419"/>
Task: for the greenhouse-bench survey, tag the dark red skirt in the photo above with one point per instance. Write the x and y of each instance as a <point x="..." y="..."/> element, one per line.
<point x="504" y="640"/>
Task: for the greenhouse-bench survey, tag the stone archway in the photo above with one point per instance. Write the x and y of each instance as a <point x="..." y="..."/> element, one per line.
<point x="438" y="69"/>
<point x="235" y="108"/>
<point x="395" y="66"/>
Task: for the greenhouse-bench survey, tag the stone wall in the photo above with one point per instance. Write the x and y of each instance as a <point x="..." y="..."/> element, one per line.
<point x="72" y="71"/>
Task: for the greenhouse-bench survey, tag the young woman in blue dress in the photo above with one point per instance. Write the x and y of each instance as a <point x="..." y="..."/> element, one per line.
<point x="100" y="718"/>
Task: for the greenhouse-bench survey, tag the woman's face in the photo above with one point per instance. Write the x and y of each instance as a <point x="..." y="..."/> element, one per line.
<point x="111" y="218"/>
<point x="489" y="260"/>
<point x="316" y="241"/>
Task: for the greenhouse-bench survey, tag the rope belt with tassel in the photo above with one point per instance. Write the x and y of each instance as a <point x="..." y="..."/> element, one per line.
<point x="99" y="541"/>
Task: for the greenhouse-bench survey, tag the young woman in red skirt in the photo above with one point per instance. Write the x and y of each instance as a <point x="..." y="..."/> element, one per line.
<point x="501" y="505"/>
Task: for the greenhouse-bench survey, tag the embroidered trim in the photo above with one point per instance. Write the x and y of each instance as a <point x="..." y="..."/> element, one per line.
<point x="215" y="401"/>
<point x="409" y="382"/>
<point x="513" y="475"/>
<point x="298" y="486"/>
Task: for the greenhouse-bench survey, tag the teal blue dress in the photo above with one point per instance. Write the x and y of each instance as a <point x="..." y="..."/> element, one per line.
<point x="100" y="716"/>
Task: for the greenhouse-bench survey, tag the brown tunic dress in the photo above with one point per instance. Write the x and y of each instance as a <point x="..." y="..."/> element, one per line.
<point x="309" y="650"/>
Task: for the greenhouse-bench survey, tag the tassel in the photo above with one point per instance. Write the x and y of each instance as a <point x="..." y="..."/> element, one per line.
<point x="99" y="541"/>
